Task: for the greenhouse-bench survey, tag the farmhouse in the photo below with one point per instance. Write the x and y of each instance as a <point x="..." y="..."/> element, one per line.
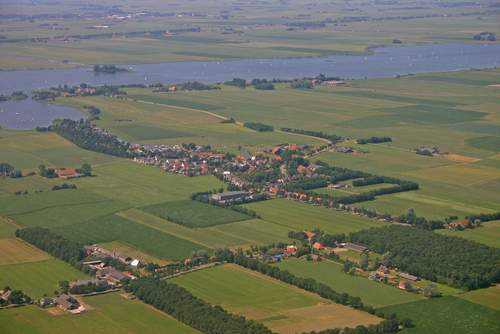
<point x="67" y="303"/>
<point x="111" y="275"/>
<point x="291" y="250"/>
<point x="230" y="196"/>
<point x="67" y="173"/>
<point x="403" y="285"/>
<point x="318" y="246"/>
<point x="459" y="224"/>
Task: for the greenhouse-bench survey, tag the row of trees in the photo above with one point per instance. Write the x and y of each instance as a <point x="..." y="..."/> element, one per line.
<point x="259" y="127"/>
<point x="390" y="325"/>
<point x="374" y="140"/>
<point x="85" y="135"/>
<point x="306" y="183"/>
<point x="453" y="261"/>
<point x="320" y="134"/>
<point x="182" y="305"/>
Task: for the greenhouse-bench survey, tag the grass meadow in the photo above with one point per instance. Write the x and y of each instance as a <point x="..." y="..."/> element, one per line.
<point x="297" y="216"/>
<point x="195" y="214"/>
<point x="330" y="273"/>
<point x="448" y="315"/>
<point x="283" y="308"/>
<point x="38" y="278"/>
<point x="115" y="228"/>
<point x="110" y="313"/>
<point x="488" y="297"/>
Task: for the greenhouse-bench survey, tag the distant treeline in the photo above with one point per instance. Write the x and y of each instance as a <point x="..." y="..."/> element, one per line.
<point x="330" y="137"/>
<point x="182" y="305"/>
<point x="374" y="140"/>
<point x="260" y="127"/>
<point x="453" y="261"/>
<point x="389" y="325"/>
<point x="485" y="217"/>
<point x="85" y="135"/>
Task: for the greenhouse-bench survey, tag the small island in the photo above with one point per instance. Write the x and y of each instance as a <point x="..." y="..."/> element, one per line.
<point x="109" y="69"/>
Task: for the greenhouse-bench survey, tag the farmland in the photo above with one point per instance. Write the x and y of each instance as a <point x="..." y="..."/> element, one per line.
<point x="330" y="273"/>
<point x="148" y="240"/>
<point x="488" y="234"/>
<point x="195" y="214"/>
<point x="16" y="251"/>
<point x="37" y="278"/>
<point x="448" y="314"/>
<point x="110" y="313"/>
<point x="487" y="297"/>
<point x="298" y="216"/>
<point x="283" y="308"/>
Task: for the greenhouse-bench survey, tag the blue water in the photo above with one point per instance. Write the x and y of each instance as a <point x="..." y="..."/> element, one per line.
<point x="384" y="62"/>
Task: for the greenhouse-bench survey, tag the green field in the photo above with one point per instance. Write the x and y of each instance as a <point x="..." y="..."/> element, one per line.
<point x="195" y="214"/>
<point x="116" y="228"/>
<point x="488" y="297"/>
<point x="488" y="233"/>
<point x="330" y="273"/>
<point x="297" y="216"/>
<point x="110" y="313"/>
<point x="38" y="278"/>
<point x="448" y="315"/>
<point x="282" y="307"/>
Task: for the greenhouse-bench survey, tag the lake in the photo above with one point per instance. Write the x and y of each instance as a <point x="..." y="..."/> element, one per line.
<point x="384" y="62"/>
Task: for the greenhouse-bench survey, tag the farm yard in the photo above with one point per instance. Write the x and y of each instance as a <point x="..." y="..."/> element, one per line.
<point x="283" y="308"/>
<point x="330" y="273"/>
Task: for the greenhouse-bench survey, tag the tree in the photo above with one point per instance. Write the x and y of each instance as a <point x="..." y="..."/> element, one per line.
<point x="347" y="266"/>
<point x="431" y="291"/>
<point x="363" y="263"/>
<point x="42" y="170"/>
<point x="86" y="169"/>
<point x="64" y="286"/>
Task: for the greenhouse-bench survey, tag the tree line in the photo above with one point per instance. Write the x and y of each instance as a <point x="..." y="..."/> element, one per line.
<point x="453" y="261"/>
<point x="374" y="140"/>
<point x="7" y="169"/>
<point x="320" y="134"/>
<point x="259" y="127"/>
<point x="182" y="305"/>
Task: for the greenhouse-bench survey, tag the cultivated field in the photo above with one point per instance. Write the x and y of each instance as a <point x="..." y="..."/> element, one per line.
<point x="110" y="313"/>
<point x="448" y="315"/>
<point x="281" y="307"/>
<point x="17" y="251"/>
<point x="488" y="297"/>
<point x="330" y="273"/>
<point x="195" y="214"/>
<point x="295" y="215"/>
<point x="115" y="228"/>
<point x="38" y="278"/>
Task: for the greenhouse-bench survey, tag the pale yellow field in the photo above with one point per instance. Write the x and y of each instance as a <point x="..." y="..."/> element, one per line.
<point x="17" y="251"/>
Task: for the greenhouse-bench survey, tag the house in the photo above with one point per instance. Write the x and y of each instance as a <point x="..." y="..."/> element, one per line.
<point x="354" y="247"/>
<point x="459" y="224"/>
<point x="293" y="147"/>
<point x="291" y="250"/>
<point x="46" y="302"/>
<point x="318" y="246"/>
<point x="4" y="295"/>
<point x="408" y="276"/>
<point x="403" y="285"/>
<point x="67" y="173"/>
<point x="111" y="275"/>
<point x="67" y="303"/>
<point x="301" y="169"/>
<point x="230" y="196"/>
<point x="335" y="186"/>
<point x="309" y="235"/>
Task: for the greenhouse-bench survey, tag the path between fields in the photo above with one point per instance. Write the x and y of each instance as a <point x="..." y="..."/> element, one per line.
<point x="224" y="118"/>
